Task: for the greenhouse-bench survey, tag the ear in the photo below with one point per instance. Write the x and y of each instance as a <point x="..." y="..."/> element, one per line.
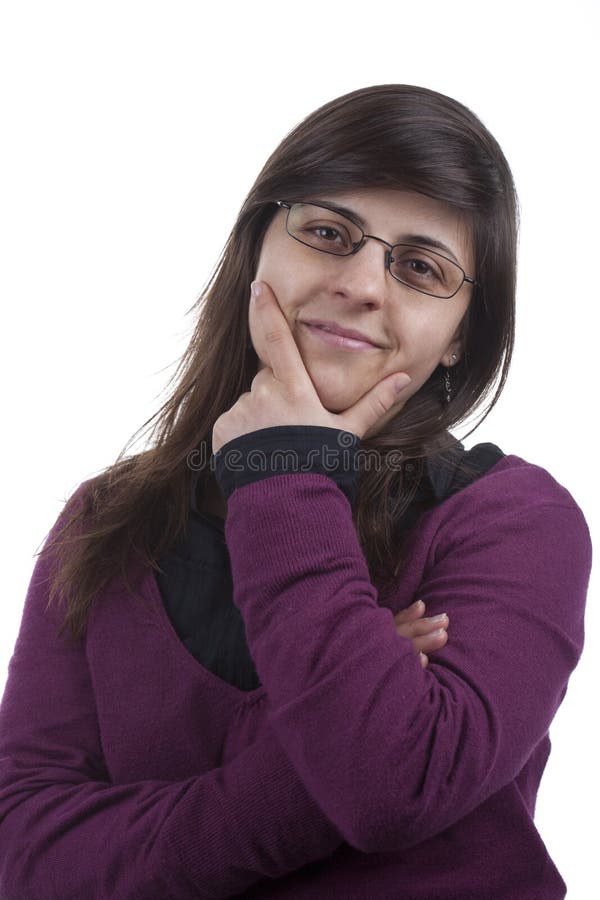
<point x="453" y="351"/>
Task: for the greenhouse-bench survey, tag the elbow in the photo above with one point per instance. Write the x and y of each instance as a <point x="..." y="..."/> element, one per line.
<point x="398" y="819"/>
<point x="376" y="824"/>
<point x="387" y="834"/>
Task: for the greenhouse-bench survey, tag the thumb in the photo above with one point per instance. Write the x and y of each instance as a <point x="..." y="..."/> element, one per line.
<point x="367" y="411"/>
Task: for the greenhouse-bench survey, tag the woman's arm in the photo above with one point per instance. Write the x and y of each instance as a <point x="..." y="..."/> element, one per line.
<point x="394" y="753"/>
<point x="67" y="832"/>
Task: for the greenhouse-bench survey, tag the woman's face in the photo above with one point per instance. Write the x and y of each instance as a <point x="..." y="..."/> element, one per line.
<point x="409" y="331"/>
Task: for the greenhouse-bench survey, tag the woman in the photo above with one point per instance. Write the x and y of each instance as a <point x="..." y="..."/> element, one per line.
<point x="324" y="660"/>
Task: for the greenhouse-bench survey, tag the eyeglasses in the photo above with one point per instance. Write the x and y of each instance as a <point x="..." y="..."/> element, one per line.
<point x="419" y="268"/>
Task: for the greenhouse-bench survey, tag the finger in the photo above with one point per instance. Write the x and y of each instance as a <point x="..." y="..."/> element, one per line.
<point x="418" y="627"/>
<point x="412" y="612"/>
<point x="367" y="411"/>
<point x="282" y="350"/>
<point x="424" y="660"/>
<point x="430" y="642"/>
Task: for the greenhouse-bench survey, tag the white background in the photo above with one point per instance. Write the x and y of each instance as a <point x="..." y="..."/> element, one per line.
<point x="131" y="132"/>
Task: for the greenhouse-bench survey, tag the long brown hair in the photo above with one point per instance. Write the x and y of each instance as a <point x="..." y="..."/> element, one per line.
<point x="394" y="136"/>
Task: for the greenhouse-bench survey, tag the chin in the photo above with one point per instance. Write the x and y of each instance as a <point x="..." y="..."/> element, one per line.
<point x="335" y="400"/>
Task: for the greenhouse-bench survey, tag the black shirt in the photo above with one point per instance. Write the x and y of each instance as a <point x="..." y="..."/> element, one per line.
<point x="196" y="584"/>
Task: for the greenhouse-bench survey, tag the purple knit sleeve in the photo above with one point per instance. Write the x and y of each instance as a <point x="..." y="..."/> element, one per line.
<point x="67" y="832"/>
<point x="391" y="752"/>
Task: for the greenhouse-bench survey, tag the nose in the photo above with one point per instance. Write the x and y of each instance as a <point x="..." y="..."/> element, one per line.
<point x="363" y="277"/>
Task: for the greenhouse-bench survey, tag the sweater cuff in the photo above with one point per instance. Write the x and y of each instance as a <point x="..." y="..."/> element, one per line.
<point x="287" y="449"/>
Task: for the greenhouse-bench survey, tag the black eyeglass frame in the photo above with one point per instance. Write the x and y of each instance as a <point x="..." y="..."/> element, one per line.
<point x="287" y="204"/>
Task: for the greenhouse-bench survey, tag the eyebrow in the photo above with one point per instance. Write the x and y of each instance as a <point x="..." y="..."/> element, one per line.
<point x="422" y="239"/>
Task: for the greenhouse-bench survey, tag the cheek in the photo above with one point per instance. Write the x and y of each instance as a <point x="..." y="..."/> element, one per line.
<point x="278" y="264"/>
<point x="422" y="341"/>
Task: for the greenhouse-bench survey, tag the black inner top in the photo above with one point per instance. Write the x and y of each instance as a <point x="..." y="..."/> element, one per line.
<point x="196" y="585"/>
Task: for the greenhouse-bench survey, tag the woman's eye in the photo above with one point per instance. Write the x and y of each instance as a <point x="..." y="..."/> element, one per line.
<point x="331" y="237"/>
<point x="325" y="233"/>
<point x="417" y="269"/>
<point x="420" y="267"/>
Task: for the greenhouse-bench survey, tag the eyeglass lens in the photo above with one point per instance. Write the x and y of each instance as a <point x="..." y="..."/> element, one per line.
<point x="418" y="267"/>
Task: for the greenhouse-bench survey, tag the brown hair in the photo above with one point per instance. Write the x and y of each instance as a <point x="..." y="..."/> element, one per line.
<point x="395" y="136"/>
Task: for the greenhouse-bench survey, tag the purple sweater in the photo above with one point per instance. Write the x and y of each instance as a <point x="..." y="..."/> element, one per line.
<point x="129" y="771"/>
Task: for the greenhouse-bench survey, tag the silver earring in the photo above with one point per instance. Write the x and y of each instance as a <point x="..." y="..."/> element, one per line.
<point x="447" y="382"/>
<point x="448" y="386"/>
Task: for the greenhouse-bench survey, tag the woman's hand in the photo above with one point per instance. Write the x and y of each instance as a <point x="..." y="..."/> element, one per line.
<point x="282" y="393"/>
<point x="426" y="635"/>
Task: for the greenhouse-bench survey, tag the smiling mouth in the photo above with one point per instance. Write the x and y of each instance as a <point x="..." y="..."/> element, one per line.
<point x="340" y="341"/>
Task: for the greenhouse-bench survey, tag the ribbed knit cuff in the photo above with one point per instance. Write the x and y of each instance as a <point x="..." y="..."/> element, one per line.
<point x="289" y="449"/>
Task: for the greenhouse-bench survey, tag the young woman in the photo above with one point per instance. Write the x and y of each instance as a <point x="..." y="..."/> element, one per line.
<point x="306" y="645"/>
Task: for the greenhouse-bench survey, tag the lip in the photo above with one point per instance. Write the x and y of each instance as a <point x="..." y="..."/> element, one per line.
<point x="347" y="338"/>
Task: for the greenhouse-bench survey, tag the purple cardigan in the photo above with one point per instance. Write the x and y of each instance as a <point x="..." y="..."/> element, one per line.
<point x="129" y="771"/>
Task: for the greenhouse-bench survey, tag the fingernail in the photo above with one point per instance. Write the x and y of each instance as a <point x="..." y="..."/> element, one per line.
<point x="418" y="604"/>
<point x="401" y="382"/>
<point x="438" y="633"/>
<point x="256" y="288"/>
<point x="437" y="619"/>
